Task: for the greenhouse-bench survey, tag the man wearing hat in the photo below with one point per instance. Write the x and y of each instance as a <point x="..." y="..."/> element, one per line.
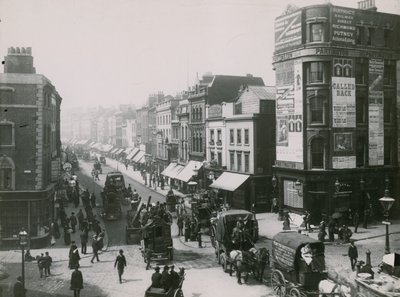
<point x="165" y="278"/>
<point x="353" y="254"/>
<point x="156" y="278"/>
<point x="121" y="263"/>
<point x="95" y="248"/>
<point x="175" y="279"/>
<point x="19" y="290"/>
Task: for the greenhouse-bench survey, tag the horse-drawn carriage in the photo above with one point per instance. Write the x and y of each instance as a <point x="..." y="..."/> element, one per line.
<point x="172" y="292"/>
<point x="298" y="267"/>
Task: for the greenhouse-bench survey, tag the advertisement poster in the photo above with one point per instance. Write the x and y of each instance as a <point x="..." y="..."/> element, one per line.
<point x="375" y="112"/>
<point x="291" y="196"/>
<point x="289" y="114"/>
<point x="343" y="102"/>
<point x="343" y="142"/>
<point x="343" y="26"/>
<point x="288" y="31"/>
<point x="342" y="162"/>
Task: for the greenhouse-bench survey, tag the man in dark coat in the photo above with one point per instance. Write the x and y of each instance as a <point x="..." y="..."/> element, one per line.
<point x="180" y="225"/>
<point x="19" y="290"/>
<point x="95" y="247"/>
<point x="47" y="263"/>
<point x="40" y="263"/>
<point x="156" y="278"/>
<point x="356" y="220"/>
<point x="81" y="217"/>
<point x="93" y="200"/>
<point x="175" y="278"/>
<point x="73" y="221"/>
<point x="74" y="256"/>
<point x="120" y="263"/>
<point x="353" y="254"/>
<point x="165" y="278"/>
<point x="76" y="282"/>
<point x="84" y="239"/>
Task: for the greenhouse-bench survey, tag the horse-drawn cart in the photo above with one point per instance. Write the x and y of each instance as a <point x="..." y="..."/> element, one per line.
<point x="298" y="267"/>
<point x="160" y="292"/>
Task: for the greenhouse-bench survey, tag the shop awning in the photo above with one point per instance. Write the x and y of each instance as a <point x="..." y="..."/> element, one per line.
<point x="107" y="147"/>
<point x="128" y="150"/>
<point x="142" y="160"/>
<point x="114" y="150"/>
<point x="139" y="155"/>
<point x="132" y="153"/>
<point x="229" y="181"/>
<point x="176" y="170"/>
<point x="168" y="170"/>
<point x="186" y="174"/>
<point x="119" y="151"/>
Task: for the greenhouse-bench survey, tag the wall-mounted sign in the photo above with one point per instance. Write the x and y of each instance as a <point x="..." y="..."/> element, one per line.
<point x="343" y="26"/>
<point x="343" y="102"/>
<point x="342" y="162"/>
<point x="288" y="31"/>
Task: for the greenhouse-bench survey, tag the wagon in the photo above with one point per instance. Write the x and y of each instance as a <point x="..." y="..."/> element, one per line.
<point x="298" y="266"/>
<point x="370" y="288"/>
<point x="159" y="292"/>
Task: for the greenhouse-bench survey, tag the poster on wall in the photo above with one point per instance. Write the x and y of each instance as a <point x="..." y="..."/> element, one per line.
<point x="375" y="113"/>
<point x="343" y="26"/>
<point x="291" y="196"/>
<point x="288" y="31"/>
<point x="343" y="142"/>
<point x="342" y="162"/>
<point x="343" y="102"/>
<point x="289" y="114"/>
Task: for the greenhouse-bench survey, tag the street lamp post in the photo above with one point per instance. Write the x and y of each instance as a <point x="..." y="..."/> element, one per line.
<point x="387" y="203"/>
<point x="23" y="241"/>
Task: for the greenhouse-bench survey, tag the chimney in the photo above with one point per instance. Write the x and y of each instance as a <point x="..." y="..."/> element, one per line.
<point x="249" y="75"/>
<point x="19" y="60"/>
<point x="367" y="5"/>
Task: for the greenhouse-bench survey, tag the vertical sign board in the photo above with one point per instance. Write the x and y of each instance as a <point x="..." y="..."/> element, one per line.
<point x="343" y="102"/>
<point x="289" y="113"/>
<point x="288" y="31"/>
<point x="291" y="197"/>
<point x="343" y="26"/>
<point x="375" y="112"/>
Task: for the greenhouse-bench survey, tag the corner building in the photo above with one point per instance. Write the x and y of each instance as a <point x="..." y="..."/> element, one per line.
<point x="337" y="102"/>
<point x="30" y="149"/>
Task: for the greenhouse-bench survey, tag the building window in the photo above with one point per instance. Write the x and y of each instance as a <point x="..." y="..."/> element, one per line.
<point x="316" y="72"/>
<point x="370" y="35"/>
<point x="361" y="73"/>
<point x="388" y="108"/>
<point x="246" y="136"/>
<point x="317" y="32"/>
<point x="388" y="150"/>
<point x="219" y="136"/>
<point x="231" y="136"/>
<point x="246" y="162"/>
<point x="6" y="174"/>
<point x="389" y="74"/>
<point x="359" y="34"/>
<point x="6" y="133"/>
<point x="212" y="155"/>
<point x="232" y="160"/>
<point x="239" y="161"/>
<point x="317" y="153"/>
<point x="317" y="110"/>
<point x="239" y="136"/>
<point x="219" y="154"/>
<point x="212" y="136"/>
<point x="361" y="108"/>
<point x="387" y="37"/>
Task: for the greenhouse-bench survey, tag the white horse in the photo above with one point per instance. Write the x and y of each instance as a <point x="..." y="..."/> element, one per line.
<point x="327" y="288"/>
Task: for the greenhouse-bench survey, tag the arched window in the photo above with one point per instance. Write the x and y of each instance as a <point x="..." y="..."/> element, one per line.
<point x="7" y="174"/>
<point x="317" y="153"/>
<point x="6" y="133"/>
<point x="200" y="141"/>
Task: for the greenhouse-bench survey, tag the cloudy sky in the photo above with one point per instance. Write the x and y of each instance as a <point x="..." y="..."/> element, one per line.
<point x="106" y="52"/>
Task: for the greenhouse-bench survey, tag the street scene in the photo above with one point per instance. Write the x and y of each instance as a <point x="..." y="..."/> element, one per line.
<point x="200" y="148"/>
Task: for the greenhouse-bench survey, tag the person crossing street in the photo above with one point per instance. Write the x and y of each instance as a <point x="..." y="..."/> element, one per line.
<point x="120" y="263"/>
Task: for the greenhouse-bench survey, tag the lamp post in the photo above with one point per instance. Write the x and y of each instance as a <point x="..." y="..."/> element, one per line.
<point x="23" y="241"/>
<point x="387" y="203"/>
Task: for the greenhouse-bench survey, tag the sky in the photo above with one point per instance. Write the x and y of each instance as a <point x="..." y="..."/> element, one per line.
<point x="110" y="52"/>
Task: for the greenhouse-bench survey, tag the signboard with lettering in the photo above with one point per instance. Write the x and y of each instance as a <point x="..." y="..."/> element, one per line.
<point x="343" y="102"/>
<point x="342" y="162"/>
<point x="291" y="196"/>
<point x="284" y="255"/>
<point x="288" y="31"/>
<point x="343" y="26"/>
<point x="289" y="113"/>
<point x="215" y="111"/>
<point x="375" y="112"/>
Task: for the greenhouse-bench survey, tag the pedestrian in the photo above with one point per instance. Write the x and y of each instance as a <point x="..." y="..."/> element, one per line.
<point x="76" y="282"/>
<point x="40" y="263"/>
<point x="199" y="239"/>
<point x="80" y="216"/>
<point x="165" y="279"/>
<point x="84" y="239"/>
<point x="47" y="263"/>
<point x="331" y="229"/>
<point x="187" y="229"/>
<point x="180" y="225"/>
<point x="74" y="256"/>
<point x="148" y="255"/>
<point x="120" y="263"/>
<point x="156" y="278"/>
<point x="56" y="230"/>
<point x="154" y="182"/>
<point x="353" y="254"/>
<point x="274" y="205"/>
<point x="175" y="278"/>
<point x="19" y="290"/>
<point x="100" y="238"/>
<point x="162" y="181"/>
<point x="366" y="217"/>
<point x="322" y="231"/>
<point x="93" y="200"/>
<point x="67" y="236"/>
<point x="95" y="248"/>
<point x="73" y="221"/>
<point x="356" y="220"/>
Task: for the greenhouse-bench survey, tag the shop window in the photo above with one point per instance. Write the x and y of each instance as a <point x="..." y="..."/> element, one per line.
<point x="359" y="34"/>
<point x="246" y="136"/>
<point x="231" y="136"/>
<point x="246" y="162"/>
<point x="239" y="136"/>
<point x="316" y="72"/>
<point x="361" y="108"/>
<point x="361" y="152"/>
<point x="6" y="133"/>
<point x="317" y="153"/>
<point x="388" y="150"/>
<point x="239" y="161"/>
<point x="317" y="32"/>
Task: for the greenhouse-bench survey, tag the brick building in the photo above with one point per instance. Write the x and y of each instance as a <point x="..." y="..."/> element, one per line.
<point x="29" y="148"/>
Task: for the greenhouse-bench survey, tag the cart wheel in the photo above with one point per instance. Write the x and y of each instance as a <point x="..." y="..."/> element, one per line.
<point x="360" y="295"/>
<point x="294" y="292"/>
<point x="178" y="293"/>
<point x="278" y="283"/>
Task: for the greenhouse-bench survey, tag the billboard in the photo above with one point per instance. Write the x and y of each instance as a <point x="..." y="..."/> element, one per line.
<point x="289" y="114"/>
<point x="343" y="102"/>
<point x="288" y="31"/>
<point x="343" y="26"/>
<point x="375" y="113"/>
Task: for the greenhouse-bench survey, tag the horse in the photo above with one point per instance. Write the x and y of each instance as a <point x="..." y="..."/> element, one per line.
<point x="242" y="262"/>
<point x="261" y="261"/>
<point x="327" y="287"/>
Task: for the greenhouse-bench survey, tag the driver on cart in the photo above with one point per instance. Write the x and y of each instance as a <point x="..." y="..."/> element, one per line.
<point x="237" y="235"/>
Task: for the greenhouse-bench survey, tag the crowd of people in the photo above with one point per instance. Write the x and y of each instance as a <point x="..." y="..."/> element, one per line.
<point x="168" y="279"/>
